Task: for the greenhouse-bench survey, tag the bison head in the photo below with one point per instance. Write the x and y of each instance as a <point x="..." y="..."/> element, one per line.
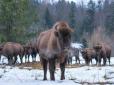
<point x="97" y="48"/>
<point x="63" y="33"/>
<point x="86" y="55"/>
<point x="27" y="49"/>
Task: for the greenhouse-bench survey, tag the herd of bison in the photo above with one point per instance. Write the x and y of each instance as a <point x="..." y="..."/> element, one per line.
<point x="55" y="45"/>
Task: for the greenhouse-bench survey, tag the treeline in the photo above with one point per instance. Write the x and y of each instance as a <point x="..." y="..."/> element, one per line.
<point x="22" y="20"/>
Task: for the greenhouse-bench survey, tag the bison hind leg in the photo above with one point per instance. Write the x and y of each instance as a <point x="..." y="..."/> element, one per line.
<point x="104" y="61"/>
<point x="109" y="60"/>
<point x="15" y="59"/>
<point x="10" y="60"/>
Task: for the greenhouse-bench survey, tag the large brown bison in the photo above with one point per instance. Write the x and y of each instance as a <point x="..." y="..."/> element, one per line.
<point x="73" y="52"/>
<point x="51" y="45"/>
<point x="103" y="51"/>
<point x="88" y="54"/>
<point x="11" y="50"/>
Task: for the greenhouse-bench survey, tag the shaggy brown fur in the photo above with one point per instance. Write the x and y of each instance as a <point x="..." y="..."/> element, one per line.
<point x="103" y="51"/>
<point x="88" y="54"/>
<point x="11" y="50"/>
<point x="51" y="45"/>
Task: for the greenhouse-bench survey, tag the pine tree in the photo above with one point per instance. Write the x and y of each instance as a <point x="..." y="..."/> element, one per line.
<point x="48" y="18"/>
<point x="88" y="23"/>
<point x="109" y="23"/>
<point x="15" y="17"/>
<point x="72" y="16"/>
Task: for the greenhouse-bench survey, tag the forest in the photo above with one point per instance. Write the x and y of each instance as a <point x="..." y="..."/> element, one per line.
<point x="23" y="20"/>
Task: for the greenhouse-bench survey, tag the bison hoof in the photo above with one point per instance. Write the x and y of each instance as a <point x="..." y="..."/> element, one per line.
<point x="45" y="79"/>
<point x="52" y="78"/>
<point x="62" y="78"/>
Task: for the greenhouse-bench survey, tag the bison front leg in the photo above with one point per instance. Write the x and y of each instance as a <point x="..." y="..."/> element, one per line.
<point x="69" y="60"/>
<point x="62" y="67"/>
<point x="96" y="60"/>
<point x="77" y="59"/>
<point x="91" y="61"/>
<point x="0" y="57"/>
<point x="33" y="57"/>
<point x="109" y="60"/>
<point x="10" y="60"/>
<point x="44" y="62"/>
<point x="52" y="68"/>
<point x="104" y="61"/>
<point x="28" y="57"/>
<point x="21" y="58"/>
<point x="15" y="59"/>
<point x="99" y="61"/>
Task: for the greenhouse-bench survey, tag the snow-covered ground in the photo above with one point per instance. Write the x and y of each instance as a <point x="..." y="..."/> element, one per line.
<point x="18" y="76"/>
<point x="74" y="76"/>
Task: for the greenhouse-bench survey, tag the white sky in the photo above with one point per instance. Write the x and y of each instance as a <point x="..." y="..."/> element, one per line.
<point x="84" y="1"/>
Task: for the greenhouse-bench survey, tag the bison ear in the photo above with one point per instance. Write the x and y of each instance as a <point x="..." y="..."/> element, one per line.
<point x="56" y="33"/>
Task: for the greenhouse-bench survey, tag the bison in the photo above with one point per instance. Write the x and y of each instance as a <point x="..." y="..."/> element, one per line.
<point x="52" y="45"/>
<point x="34" y="49"/>
<point x="27" y="51"/>
<point x="103" y="51"/>
<point x="30" y="49"/>
<point x="73" y="52"/>
<point x="11" y="50"/>
<point x="88" y="54"/>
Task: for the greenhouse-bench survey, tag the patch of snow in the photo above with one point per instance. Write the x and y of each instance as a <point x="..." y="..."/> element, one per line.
<point x="76" y="45"/>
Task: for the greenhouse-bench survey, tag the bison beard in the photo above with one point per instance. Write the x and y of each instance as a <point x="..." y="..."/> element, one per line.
<point x="52" y="45"/>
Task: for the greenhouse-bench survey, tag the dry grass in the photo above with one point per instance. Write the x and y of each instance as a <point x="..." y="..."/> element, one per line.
<point x="30" y="65"/>
<point x="37" y="65"/>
